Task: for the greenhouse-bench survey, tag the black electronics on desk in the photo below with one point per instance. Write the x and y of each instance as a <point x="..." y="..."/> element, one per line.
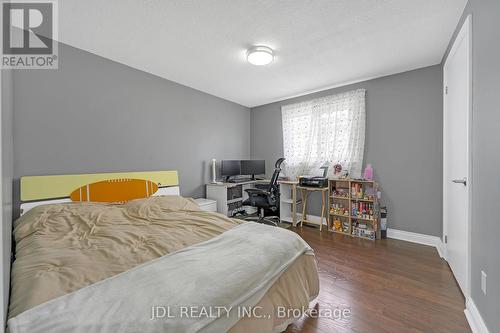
<point x="251" y="168"/>
<point x="313" y="181"/>
<point x="230" y="168"/>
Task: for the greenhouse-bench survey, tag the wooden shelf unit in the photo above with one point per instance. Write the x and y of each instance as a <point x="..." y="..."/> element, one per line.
<point x="289" y="202"/>
<point x="348" y="199"/>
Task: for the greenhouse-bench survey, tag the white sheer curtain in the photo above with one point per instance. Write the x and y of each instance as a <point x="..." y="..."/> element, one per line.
<point x="328" y="129"/>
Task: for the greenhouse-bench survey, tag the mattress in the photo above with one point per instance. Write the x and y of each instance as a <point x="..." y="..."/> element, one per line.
<point x="62" y="248"/>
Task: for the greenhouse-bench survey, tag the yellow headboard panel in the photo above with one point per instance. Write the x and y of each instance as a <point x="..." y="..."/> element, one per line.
<point x="60" y="186"/>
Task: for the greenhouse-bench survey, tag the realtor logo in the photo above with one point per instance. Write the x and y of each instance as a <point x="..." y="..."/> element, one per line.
<point x="29" y="34"/>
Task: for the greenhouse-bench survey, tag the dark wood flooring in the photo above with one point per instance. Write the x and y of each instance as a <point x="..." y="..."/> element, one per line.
<point x="387" y="285"/>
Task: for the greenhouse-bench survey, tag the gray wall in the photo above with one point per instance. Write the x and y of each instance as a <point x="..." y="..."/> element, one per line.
<point x="403" y="143"/>
<point x="96" y="115"/>
<point x="7" y="175"/>
<point x="485" y="245"/>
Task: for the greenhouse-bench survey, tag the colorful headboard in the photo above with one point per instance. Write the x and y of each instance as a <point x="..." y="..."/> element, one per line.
<point x="36" y="190"/>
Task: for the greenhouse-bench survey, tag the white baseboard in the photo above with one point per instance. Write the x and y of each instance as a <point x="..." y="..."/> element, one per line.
<point x="418" y="238"/>
<point x="474" y="318"/>
<point x="441" y="249"/>
<point x="313" y="218"/>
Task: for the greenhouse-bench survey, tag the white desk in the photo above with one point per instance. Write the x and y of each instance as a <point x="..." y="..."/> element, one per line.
<point x="229" y="196"/>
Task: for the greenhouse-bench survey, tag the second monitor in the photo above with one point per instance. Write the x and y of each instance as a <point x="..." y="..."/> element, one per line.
<point x="231" y="168"/>
<point x="253" y="167"/>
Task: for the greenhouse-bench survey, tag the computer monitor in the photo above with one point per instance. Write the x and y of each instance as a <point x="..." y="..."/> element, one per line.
<point x="253" y="167"/>
<point x="230" y="168"/>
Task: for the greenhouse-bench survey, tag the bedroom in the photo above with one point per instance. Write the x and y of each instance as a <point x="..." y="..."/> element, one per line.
<point x="146" y="86"/>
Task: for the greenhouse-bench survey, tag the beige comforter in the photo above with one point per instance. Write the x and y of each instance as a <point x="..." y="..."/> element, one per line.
<point x="62" y="248"/>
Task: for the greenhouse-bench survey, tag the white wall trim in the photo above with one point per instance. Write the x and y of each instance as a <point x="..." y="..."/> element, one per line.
<point x="313" y="218"/>
<point x="417" y="238"/>
<point x="474" y="318"/>
<point x="441" y="248"/>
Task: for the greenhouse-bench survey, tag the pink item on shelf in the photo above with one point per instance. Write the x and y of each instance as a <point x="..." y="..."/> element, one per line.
<point x="368" y="172"/>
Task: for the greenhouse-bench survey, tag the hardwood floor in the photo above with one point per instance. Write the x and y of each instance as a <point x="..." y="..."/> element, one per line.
<point x="388" y="286"/>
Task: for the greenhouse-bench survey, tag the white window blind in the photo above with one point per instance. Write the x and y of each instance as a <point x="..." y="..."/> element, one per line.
<point x="328" y="129"/>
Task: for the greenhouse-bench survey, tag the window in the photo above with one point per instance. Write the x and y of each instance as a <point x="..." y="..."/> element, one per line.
<point x="328" y="129"/>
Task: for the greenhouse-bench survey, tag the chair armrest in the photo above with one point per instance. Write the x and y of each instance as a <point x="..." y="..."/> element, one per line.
<point x="256" y="191"/>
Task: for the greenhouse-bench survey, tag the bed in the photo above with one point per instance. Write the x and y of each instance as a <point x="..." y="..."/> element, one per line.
<point x="135" y="266"/>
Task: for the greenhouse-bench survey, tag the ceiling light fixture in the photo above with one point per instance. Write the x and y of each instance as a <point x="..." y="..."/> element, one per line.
<point x="260" y="55"/>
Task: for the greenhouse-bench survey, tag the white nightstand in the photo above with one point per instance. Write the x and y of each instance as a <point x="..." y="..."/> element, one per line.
<point x="207" y="204"/>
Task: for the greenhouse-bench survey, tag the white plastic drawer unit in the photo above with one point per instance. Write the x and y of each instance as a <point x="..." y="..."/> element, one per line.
<point x="207" y="204"/>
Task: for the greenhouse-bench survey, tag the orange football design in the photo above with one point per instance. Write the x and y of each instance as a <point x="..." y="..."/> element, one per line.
<point x="115" y="190"/>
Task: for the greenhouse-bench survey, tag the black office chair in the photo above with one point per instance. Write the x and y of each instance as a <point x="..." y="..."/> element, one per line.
<point x="267" y="199"/>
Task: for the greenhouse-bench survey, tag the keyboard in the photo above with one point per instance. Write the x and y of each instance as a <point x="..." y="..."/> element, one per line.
<point x="239" y="180"/>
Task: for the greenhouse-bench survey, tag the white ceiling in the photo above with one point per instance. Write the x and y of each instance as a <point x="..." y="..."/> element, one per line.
<point x="318" y="43"/>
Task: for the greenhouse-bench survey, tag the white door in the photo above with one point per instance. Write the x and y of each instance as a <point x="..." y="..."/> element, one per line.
<point x="456" y="156"/>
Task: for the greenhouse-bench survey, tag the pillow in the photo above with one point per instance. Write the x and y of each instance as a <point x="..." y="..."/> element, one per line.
<point x="158" y="205"/>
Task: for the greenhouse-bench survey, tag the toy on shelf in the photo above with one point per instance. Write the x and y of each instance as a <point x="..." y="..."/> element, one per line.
<point x="363" y="230"/>
<point x="362" y="210"/>
<point x="340" y="226"/>
<point x="356" y="191"/>
<point x="337" y="170"/>
<point x="337" y="225"/>
<point x="339" y="209"/>
<point x="368" y="174"/>
<point x="341" y="193"/>
<point x="360" y="192"/>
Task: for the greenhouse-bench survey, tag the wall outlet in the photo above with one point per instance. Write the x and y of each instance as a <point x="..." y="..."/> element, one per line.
<point x="483" y="282"/>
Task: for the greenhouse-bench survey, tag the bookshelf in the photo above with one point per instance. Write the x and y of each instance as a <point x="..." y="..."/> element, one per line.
<point x="289" y="201"/>
<point x="353" y="208"/>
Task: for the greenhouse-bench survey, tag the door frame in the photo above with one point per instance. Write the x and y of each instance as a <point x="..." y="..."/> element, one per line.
<point x="3" y="311"/>
<point x="465" y="32"/>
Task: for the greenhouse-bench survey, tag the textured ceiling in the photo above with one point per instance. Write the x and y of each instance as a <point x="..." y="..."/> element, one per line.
<point x="318" y="43"/>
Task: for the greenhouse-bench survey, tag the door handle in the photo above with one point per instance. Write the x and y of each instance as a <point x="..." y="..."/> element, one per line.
<point x="460" y="181"/>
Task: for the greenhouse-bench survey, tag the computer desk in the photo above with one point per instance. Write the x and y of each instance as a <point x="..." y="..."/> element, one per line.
<point x="229" y="196"/>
